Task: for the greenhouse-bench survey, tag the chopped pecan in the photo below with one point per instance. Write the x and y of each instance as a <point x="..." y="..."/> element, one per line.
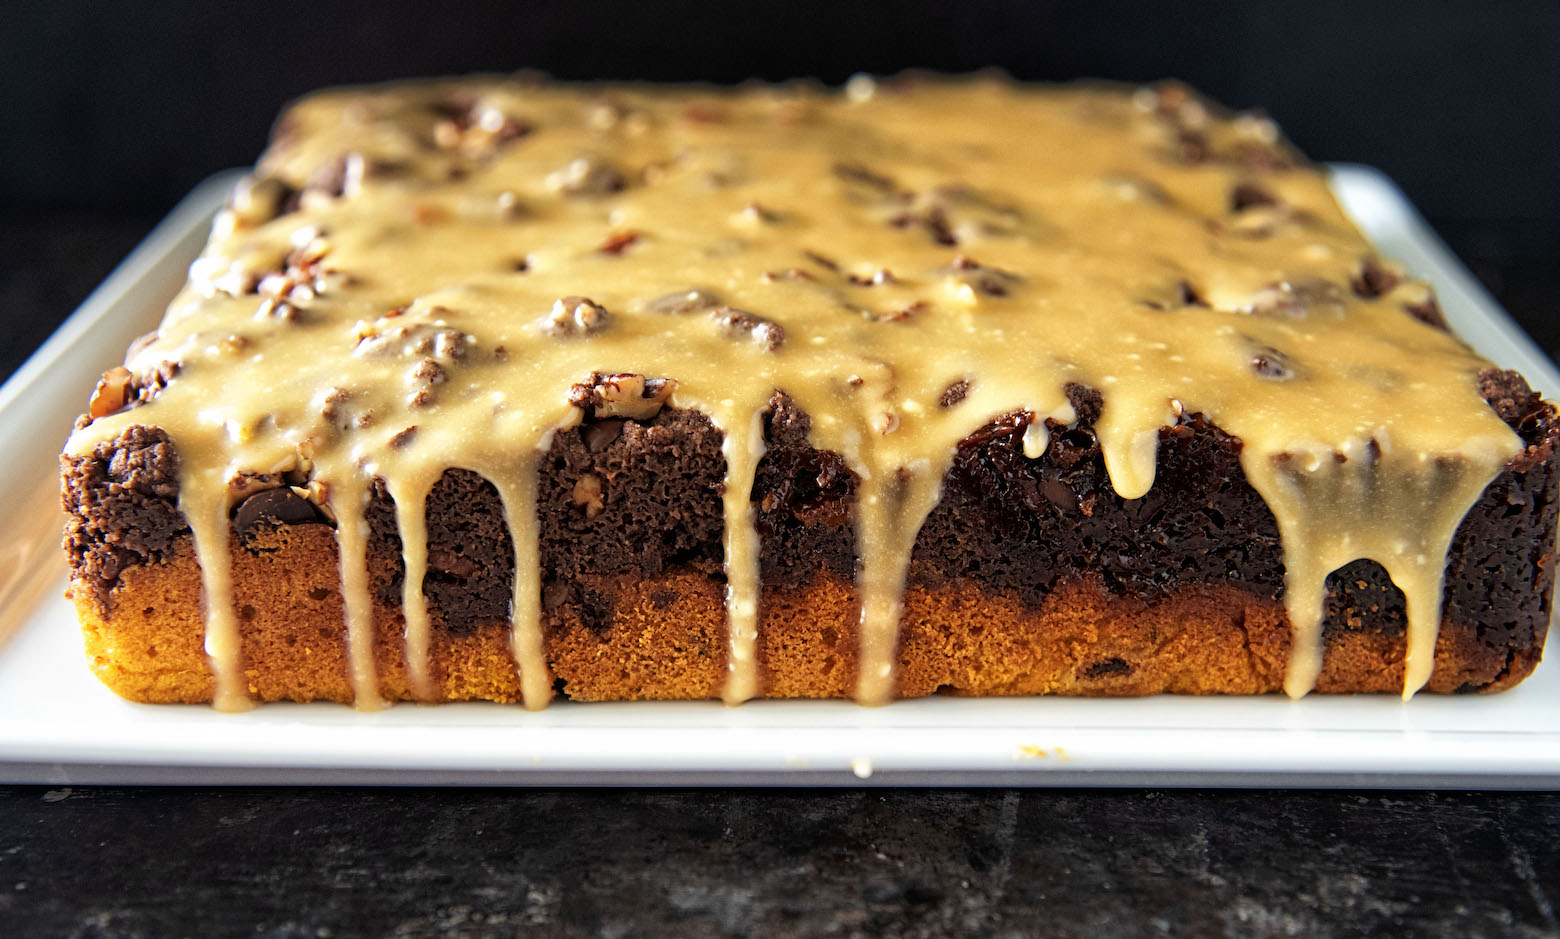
<point x="576" y="317"/>
<point x="954" y="393"/>
<point x="587" y="176"/>
<point x="1295" y="298"/>
<point x="114" y="390"/>
<point x="991" y="281"/>
<point x="682" y="302"/>
<point x="629" y="396"/>
<point x="740" y="324"/>
<point x="589" y="494"/>
<point x="1271" y="364"/>
<point x="617" y="242"/>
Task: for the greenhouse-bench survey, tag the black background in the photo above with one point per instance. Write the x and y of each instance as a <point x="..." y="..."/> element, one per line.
<point x="126" y="105"/>
<point x="108" y="113"/>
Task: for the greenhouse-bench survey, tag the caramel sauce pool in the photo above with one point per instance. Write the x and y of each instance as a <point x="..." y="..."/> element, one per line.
<point x="417" y="275"/>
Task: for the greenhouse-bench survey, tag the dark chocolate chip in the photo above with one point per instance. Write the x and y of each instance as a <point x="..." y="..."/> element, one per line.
<point x="601" y="434"/>
<point x="1057" y="492"/>
<point x="1428" y="312"/>
<point x="1248" y="194"/>
<point x="1372" y="280"/>
<point x="1107" y="668"/>
<point x="1188" y="294"/>
<point x="277" y="506"/>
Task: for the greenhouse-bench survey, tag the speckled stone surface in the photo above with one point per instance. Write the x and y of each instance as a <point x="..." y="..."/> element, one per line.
<point x="693" y="863"/>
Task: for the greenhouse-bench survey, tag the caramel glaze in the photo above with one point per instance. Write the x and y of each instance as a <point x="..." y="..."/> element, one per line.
<point x="417" y="277"/>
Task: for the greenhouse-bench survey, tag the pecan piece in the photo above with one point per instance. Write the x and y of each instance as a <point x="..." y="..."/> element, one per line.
<point x="629" y="396"/>
<point x="740" y="324"/>
<point x="576" y="317"/>
<point x="683" y="302"/>
<point x="587" y="176"/>
<point x="589" y="494"/>
<point x="114" y="390"/>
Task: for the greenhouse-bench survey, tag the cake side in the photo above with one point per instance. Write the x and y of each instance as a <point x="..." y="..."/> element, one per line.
<point x="1031" y="577"/>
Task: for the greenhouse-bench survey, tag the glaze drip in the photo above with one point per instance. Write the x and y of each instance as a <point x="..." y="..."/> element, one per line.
<point x="430" y="276"/>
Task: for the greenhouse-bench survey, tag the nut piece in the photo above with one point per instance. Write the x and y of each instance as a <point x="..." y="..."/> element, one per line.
<point x="1271" y="364"/>
<point x="589" y="495"/>
<point x="114" y="390"/>
<point x="1296" y="298"/>
<point x="682" y="302"/>
<point x="243" y="485"/>
<point x="740" y="324"/>
<point x="576" y="316"/>
<point x="954" y="393"/>
<point x="587" y="176"/>
<point x="381" y="339"/>
<point x="617" y="242"/>
<point x="634" y="397"/>
<point x="991" y="281"/>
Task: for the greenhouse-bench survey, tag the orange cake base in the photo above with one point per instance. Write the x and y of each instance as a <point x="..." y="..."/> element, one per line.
<point x="668" y="640"/>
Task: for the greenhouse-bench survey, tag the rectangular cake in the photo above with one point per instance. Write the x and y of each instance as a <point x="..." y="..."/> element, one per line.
<point x="501" y="389"/>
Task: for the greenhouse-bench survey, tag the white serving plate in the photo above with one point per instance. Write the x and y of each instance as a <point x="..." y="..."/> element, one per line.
<point x="58" y="725"/>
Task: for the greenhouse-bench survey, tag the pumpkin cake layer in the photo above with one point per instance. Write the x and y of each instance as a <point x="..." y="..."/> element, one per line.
<point x="495" y="388"/>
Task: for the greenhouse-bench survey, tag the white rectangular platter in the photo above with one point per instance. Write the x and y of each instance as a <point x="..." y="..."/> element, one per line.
<point x="58" y="725"/>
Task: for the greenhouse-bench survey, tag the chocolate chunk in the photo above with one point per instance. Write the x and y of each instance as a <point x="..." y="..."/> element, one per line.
<point x="1427" y="311"/>
<point x="1057" y="492"/>
<point x="599" y="435"/>
<point x="1188" y="295"/>
<point x="1107" y="668"/>
<point x="937" y="226"/>
<point x="1248" y="194"/>
<point x="1373" y="279"/>
<point x="740" y="324"/>
<point x="277" y="506"/>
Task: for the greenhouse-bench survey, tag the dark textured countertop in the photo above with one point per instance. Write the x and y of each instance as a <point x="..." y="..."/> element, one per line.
<point x="404" y="862"/>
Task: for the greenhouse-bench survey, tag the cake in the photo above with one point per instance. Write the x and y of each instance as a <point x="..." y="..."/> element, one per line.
<point x="501" y="389"/>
